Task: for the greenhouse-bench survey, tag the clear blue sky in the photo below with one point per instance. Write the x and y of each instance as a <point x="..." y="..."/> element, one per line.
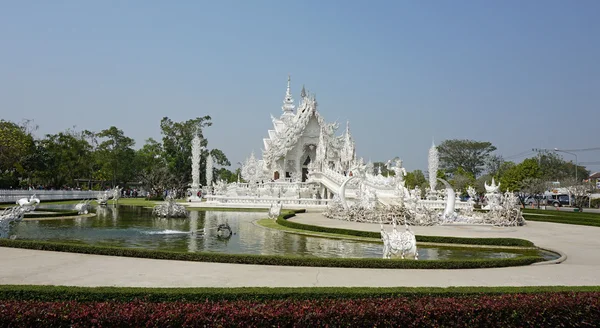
<point x="520" y="74"/>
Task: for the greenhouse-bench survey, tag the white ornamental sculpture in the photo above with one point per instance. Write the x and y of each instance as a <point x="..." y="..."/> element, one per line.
<point x="83" y="207"/>
<point x="492" y="195"/>
<point x="29" y="204"/>
<point x="395" y="242"/>
<point x="102" y="197"/>
<point x="170" y="209"/>
<point x="274" y="211"/>
<point x="15" y="214"/>
<point x="196" y="152"/>
<point x="209" y="171"/>
<point x="252" y="170"/>
<point x="116" y="194"/>
<point x="433" y="162"/>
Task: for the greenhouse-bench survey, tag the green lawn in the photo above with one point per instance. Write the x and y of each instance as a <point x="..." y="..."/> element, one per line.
<point x="578" y="218"/>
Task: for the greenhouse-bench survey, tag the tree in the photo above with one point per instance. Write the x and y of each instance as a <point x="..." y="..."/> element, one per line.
<point x="226" y="175"/>
<point x="151" y="167"/>
<point x="177" y="149"/>
<point x="579" y="192"/>
<point x="461" y="179"/>
<point x="468" y="154"/>
<point x="61" y="158"/>
<point x="494" y="165"/>
<point x="116" y="155"/>
<point x="515" y="176"/>
<point x="16" y="143"/>
<point x="415" y="178"/>
<point x="535" y="187"/>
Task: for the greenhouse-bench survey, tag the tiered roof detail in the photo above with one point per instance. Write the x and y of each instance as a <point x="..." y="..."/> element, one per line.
<point x="290" y="127"/>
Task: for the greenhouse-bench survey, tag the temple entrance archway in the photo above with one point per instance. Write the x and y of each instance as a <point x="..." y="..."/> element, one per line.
<point x="276" y="175"/>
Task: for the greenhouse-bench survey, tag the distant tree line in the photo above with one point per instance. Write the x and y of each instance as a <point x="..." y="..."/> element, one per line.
<point x="97" y="160"/>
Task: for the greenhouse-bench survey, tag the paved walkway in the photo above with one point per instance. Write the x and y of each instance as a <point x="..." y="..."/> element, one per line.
<point x="580" y="243"/>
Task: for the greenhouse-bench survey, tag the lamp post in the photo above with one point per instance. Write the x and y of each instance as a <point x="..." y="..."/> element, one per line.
<point x="563" y="151"/>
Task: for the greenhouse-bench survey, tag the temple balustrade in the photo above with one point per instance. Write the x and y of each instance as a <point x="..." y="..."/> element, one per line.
<point x="265" y="201"/>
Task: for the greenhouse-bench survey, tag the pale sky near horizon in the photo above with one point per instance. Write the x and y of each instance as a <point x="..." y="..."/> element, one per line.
<point x="520" y="74"/>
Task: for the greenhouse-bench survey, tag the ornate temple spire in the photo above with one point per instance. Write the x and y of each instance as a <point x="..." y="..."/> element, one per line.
<point x="288" y="102"/>
<point x="303" y="92"/>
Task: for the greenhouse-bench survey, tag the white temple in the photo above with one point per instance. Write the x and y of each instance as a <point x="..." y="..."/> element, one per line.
<point x="302" y="138"/>
<point x="305" y="164"/>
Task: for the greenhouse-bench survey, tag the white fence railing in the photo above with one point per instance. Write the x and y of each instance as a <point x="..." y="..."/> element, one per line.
<point x="11" y="196"/>
<point x="441" y="204"/>
<point x="266" y="201"/>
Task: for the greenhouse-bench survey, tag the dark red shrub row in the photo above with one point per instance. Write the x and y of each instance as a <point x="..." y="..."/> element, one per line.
<point x="508" y="310"/>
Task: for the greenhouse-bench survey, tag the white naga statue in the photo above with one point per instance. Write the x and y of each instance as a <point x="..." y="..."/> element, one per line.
<point x="15" y="214"/>
<point x="83" y="207"/>
<point x="395" y="242"/>
<point x="102" y="198"/>
<point x="29" y="203"/>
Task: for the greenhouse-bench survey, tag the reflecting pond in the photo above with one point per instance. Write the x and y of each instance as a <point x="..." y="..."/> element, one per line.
<point x="134" y="226"/>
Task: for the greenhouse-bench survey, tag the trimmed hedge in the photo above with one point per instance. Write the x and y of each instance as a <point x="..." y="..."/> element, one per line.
<point x="282" y="220"/>
<point x="273" y="259"/>
<point x="128" y="294"/>
<point x="511" y="310"/>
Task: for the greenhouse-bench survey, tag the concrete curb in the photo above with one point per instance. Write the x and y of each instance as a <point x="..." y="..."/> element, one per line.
<point x="562" y="258"/>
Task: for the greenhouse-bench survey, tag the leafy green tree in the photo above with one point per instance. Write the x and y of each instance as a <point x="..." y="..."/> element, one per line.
<point x="515" y="177"/>
<point x="177" y="150"/>
<point x="151" y="167"/>
<point x="461" y="179"/>
<point x="415" y="178"/>
<point x="61" y="158"/>
<point x="226" y="175"/>
<point x="469" y="154"/>
<point x="116" y="156"/>
<point x="16" y="144"/>
<point x="494" y="165"/>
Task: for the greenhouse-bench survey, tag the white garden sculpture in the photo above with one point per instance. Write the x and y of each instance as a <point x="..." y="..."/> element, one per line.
<point x="170" y="209"/>
<point x="274" y="211"/>
<point x="15" y="214"/>
<point x="83" y="207"/>
<point x="403" y="243"/>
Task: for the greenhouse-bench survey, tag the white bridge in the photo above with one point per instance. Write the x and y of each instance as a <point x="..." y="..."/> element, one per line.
<point x="11" y="196"/>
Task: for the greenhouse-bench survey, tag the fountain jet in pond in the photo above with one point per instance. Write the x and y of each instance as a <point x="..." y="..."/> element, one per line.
<point x="170" y="209"/>
<point x="15" y="214"/>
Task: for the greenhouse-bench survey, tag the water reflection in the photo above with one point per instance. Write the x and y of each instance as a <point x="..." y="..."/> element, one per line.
<point x="129" y="226"/>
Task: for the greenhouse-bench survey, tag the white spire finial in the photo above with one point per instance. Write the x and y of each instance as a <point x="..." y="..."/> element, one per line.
<point x="288" y="102"/>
